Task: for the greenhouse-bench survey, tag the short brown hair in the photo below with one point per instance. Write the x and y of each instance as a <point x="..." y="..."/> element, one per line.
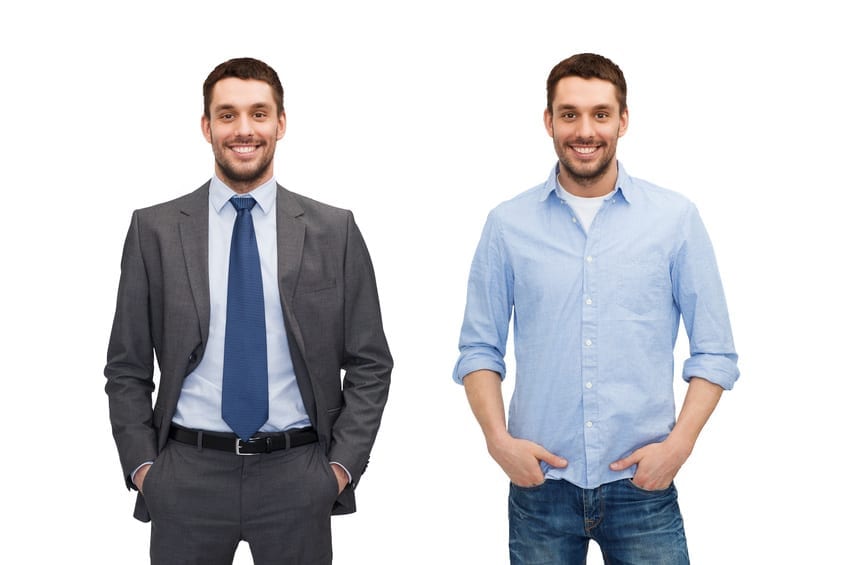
<point x="588" y="65"/>
<point x="244" y="68"/>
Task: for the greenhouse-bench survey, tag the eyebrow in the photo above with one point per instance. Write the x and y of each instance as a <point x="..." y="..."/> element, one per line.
<point x="562" y="107"/>
<point x="256" y="106"/>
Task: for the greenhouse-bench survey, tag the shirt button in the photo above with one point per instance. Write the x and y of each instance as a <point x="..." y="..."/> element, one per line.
<point x="588" y="342"/>
<point x="589" y="424"/>
<point x="589" y="385"/>
<point x="589" y="301"/>
<point x="574" y="221"/>
<point x="589" y="258"/>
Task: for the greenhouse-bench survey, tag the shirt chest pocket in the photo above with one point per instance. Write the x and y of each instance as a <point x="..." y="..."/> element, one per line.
<point x="642" y="287"/>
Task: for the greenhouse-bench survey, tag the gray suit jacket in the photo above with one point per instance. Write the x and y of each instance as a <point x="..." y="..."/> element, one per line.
<point x="330" y="305"/>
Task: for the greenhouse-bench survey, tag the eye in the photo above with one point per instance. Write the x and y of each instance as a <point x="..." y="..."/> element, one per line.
<point x="568" y="115"/>
<point x="601" y="115"/>
<point x="227" y="116"/>
<point x="260" y="115"/>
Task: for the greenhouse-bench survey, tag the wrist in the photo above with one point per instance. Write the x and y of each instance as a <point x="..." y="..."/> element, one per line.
<point x="497" y="439"/>
<point x="682" y="444"/>
<point x="341" y="472"/>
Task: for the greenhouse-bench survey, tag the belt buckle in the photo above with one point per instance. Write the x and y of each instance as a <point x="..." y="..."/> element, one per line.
<point x="239" y="446"/>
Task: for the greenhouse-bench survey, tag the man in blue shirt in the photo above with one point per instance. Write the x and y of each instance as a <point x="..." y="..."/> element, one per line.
<point x="596" y="269"/>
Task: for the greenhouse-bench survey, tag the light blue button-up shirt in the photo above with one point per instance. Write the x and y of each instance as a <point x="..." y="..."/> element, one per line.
<point x="595" y="317"/>
<point x="199" y="406"/>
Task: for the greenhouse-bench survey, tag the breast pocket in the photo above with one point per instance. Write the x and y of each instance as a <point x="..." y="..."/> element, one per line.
<point x="315" y="285"/>
<point x="643" y="287"/>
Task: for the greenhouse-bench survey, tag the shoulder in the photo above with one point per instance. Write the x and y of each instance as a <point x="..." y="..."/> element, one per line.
<point x="298" y="204"/>
<point x="658" y="202"/>
<point x="194" y="201"/>
<point x="520" y="205"/>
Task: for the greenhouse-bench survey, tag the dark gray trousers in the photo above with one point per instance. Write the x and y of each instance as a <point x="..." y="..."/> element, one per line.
<point x="203" y="502"/>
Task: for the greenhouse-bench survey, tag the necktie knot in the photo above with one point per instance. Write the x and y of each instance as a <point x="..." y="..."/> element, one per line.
<point x="242" y="203"/>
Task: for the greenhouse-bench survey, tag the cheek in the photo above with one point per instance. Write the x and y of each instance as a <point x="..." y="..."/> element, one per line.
<point x="612" y="133"/>
<point x="216" y="135"/>
<point x="269" y="132"/>
<point x="557" y="133"/>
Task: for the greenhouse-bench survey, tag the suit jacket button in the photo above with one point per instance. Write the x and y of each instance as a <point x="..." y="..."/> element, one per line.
<point x="192" y="358"/>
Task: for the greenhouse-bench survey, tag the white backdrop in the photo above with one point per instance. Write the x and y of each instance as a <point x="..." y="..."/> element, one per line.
<point x="421" y="117"/>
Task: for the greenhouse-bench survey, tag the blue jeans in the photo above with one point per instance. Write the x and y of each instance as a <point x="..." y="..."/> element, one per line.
<point x="552" y="524"/>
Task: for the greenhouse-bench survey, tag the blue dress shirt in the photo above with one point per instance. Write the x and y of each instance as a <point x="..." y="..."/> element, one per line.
<point x="199" y="406"/>
<point x="595" y="318"/>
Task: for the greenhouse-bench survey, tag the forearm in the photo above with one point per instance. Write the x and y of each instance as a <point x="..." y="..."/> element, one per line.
<point x="658" y="463"/>
<point x="519" y="458"/>
<point x="483" y="389"/>
<point x="131" y="415"/>
<point x="699" y="403"/>
<point x="355" y="430"/>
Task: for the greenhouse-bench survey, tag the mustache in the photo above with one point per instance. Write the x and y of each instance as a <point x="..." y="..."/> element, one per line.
<point x="245" y="139"/>
<point x="585" y="141"/>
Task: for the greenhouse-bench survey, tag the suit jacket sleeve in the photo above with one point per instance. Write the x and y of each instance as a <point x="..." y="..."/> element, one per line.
<point x="129" y="367"/>
<point x="366" y="360"/>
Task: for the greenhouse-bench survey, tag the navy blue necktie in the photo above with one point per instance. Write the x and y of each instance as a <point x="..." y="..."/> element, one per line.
<point x="244" y="398"/>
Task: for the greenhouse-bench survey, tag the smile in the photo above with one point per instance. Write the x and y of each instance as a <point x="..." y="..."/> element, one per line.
<point x="243" y="149"/>
<point x="584" y="150"/>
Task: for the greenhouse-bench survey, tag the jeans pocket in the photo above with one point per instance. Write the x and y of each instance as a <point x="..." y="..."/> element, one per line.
<point x="528" y="488"/>
<point x="649" y="491"/>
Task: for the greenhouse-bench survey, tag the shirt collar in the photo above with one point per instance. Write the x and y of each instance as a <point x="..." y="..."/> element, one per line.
<point x="624" y="184"/>
<point x="265" y="194"/>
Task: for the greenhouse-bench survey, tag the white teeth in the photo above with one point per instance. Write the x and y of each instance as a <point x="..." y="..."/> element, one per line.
<point x="243" y="149"/>
<point x="584" y="150"/>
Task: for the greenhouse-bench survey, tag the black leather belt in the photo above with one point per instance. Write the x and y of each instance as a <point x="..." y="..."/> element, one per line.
<point x="261" y="443"/>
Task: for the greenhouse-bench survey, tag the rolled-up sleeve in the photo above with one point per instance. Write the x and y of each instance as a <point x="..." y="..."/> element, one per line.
<point x="489" y="302"/>
<point x="700" y="298"/>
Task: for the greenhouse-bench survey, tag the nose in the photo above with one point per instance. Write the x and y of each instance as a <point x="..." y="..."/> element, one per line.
<point x="585" y="127"/>
<point x="244" y="126"/>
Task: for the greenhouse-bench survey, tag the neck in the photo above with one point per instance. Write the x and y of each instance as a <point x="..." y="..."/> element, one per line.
<point x="243" y="186"/>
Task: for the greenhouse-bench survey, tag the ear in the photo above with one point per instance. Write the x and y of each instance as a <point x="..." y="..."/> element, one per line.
<point x="205" y="128"/>
<point x="623" y="122"/>
<point x="549" y="125"/>
<point x="281" y="125"/>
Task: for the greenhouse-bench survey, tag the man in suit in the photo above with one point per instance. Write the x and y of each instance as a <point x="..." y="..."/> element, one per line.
<point x="253" y="300"/>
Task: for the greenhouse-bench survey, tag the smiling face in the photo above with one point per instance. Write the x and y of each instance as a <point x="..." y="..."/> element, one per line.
<point x="586" y="122"/>
<point x="243" y="128"/>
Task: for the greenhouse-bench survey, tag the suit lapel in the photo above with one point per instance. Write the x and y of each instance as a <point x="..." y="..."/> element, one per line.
<point x="290" y="241"/>
<point x="194" y="237"/>
<point x="291" y="231"/>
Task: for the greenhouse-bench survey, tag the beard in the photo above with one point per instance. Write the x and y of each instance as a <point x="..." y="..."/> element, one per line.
<point x="245" y="176"/>
<point x="585" y="176"/>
